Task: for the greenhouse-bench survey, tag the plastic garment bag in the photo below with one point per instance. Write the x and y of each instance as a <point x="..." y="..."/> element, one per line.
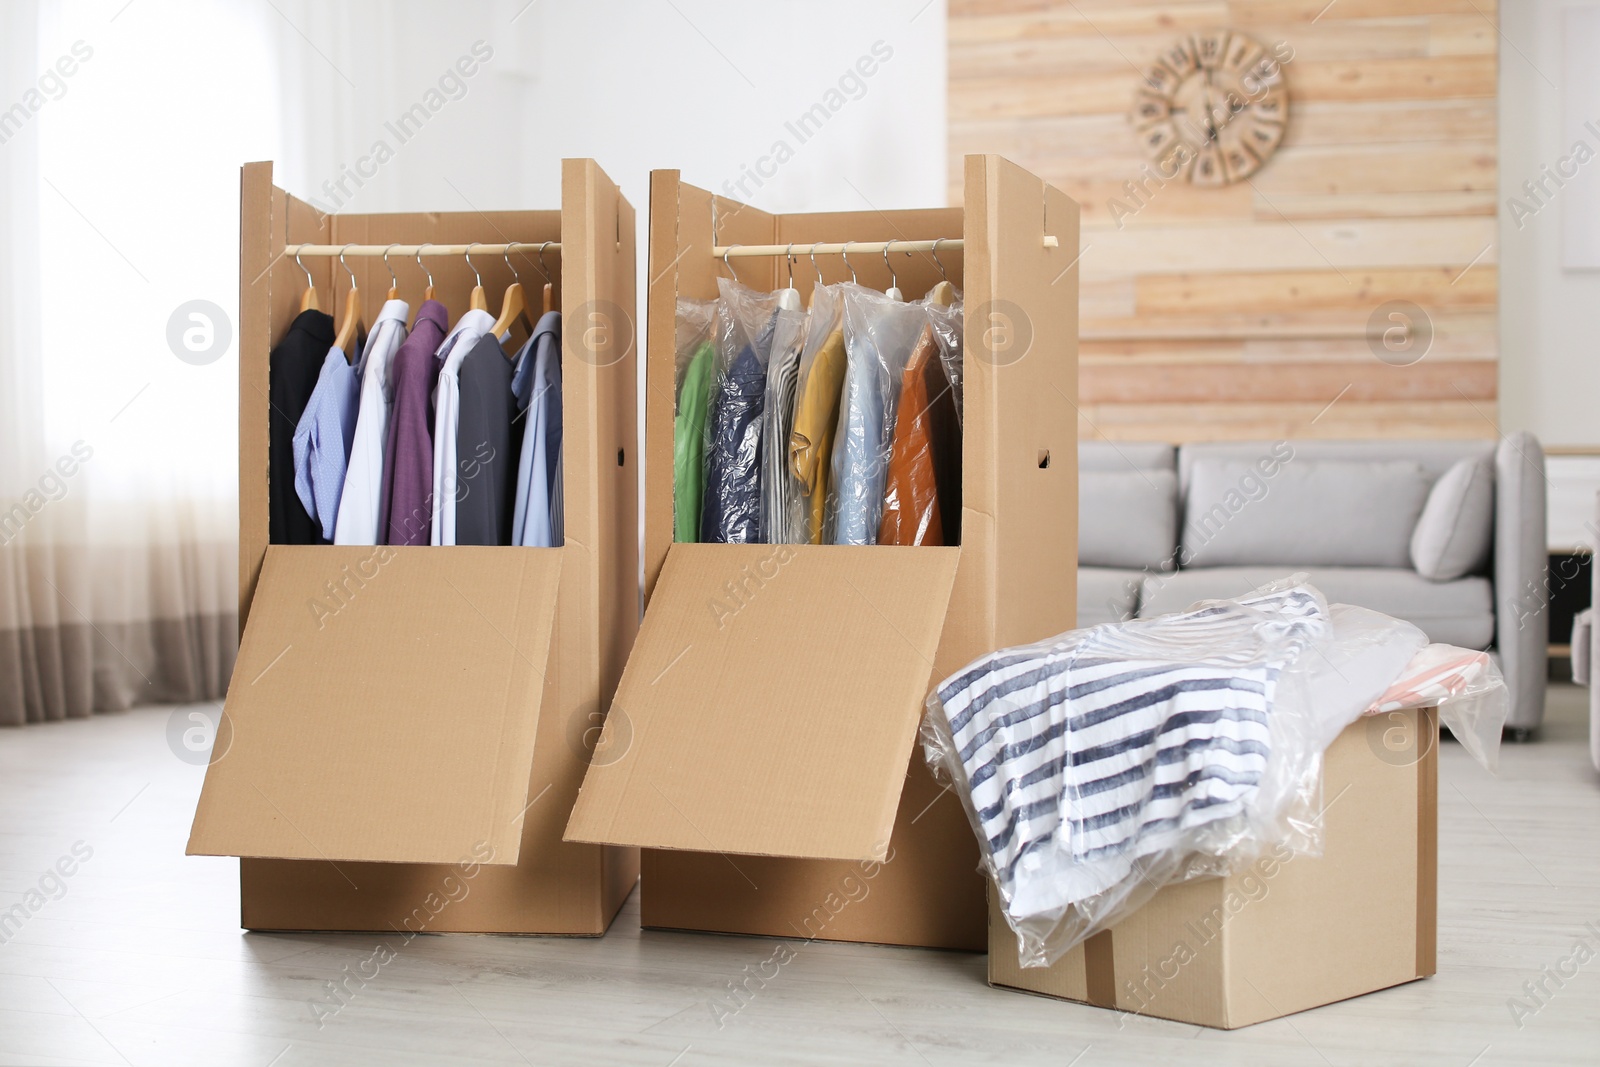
<point x="783" y="517"/>
<point x="746" y="324"/>
<point x="879" y="333"/>
<point x="696" y="359"/>
<point x="816" y="408"/>
<point x="922" y="494"/>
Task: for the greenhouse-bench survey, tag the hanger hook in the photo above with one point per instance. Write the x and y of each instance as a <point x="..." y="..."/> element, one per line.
<point x="894" y="280"/>
<point x="844" y="250"/>
<point x="423" y="266"/>
<point x="310" y="284"/>
<point x="393" y="280"/>
<point x="788" y="256"/>
<point x="814" y="266"/>
<point x="347" y="269"/>
<point x="725" y="253"/>
<point x="474" y="266"/>
<point x="936" y="260"/>
<point x="510" y="265"/>
<point x="543" y="268"/>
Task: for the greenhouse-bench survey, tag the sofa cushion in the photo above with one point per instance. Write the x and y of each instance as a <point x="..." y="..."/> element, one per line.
<point x="1107" y="595"/>
<point x="1457" y="613"/>
<point x="1128" y="518"/>
<point x="1338" y="513"/>
<point x="1456" y="528"/>
<point x="1126" y="456"/>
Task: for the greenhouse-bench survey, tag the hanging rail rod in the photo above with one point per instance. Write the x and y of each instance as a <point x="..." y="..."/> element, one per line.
<point x="954" y="244"/>
<point x="476" y="248"/>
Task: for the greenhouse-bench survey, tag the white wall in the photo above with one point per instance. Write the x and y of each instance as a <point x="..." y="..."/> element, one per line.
<point x="1549" y="317"/>
<point x="703" y="87"/>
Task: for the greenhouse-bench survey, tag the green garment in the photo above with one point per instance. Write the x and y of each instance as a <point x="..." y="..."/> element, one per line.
<point x="689" y="443"/>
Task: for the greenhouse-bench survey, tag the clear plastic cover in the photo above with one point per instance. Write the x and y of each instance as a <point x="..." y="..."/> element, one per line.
<point x="879" y="334"/>
<point x="948" y="325"/>
<point x="1099" y="766"/>
<point x="1467" y="688"/>
<point x="816" y="408"/>
<point x="783" y="514"/>
<point x="746" y="322"/>
<point x="695" y="357"/>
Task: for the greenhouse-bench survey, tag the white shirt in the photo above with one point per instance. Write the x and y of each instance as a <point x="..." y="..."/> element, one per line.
<point x="447" y="420"/>
<point x="358" y="504"/>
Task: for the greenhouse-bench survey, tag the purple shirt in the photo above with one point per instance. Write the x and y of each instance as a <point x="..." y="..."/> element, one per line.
<point x="405" y="510"/>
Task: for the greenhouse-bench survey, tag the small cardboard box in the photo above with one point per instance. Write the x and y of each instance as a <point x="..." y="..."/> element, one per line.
<point x="1292" y="932"/>
<point x="762" y="744"/>
<point x="407" y="727"/>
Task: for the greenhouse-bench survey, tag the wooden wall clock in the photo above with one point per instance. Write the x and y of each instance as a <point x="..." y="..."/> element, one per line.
<point x="1213" y="107"/>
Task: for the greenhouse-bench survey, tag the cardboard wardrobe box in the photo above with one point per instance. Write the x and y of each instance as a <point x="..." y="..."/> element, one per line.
<point x="763" y="736"/>
<point x="1291" y="932"/>
<point x="406" y="727"/>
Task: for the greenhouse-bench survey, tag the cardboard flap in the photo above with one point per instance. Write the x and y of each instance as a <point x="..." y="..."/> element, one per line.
<point x="383" y="706"/>
<point x="770" y="702"/>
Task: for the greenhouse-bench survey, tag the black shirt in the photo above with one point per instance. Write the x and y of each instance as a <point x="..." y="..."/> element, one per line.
<point x="292" y="373"/>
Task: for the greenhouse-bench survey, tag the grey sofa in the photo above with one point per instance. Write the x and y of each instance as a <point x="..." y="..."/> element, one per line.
<point x="1162" y="527"/>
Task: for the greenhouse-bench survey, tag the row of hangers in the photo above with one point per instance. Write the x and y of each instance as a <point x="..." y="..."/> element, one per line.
<point x="513" y="305"/>
<point x="943" y="292"/>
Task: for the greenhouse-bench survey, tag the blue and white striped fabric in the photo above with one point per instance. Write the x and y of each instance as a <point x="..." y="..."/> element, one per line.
<point x="1092" y="751"/>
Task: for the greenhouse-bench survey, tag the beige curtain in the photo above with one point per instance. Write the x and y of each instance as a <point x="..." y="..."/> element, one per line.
<point x="118" y="187"/>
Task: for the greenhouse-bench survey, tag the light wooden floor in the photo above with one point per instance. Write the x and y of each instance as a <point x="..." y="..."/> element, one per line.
<point x="140" y="960"/>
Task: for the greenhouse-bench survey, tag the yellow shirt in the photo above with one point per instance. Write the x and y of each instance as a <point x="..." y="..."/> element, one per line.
<point x="816" y="417"/>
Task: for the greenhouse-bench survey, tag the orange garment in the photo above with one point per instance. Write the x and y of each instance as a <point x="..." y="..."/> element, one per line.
<point x="922" y="491"/>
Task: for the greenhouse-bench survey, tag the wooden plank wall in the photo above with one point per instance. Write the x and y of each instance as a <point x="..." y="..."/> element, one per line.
<point x="1243" y="311"/>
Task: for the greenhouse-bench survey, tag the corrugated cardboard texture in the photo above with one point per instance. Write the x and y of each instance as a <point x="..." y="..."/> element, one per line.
<point x="1283" y="936"/>
<point x="593" y="610"/>
<point x="416" y="761"/>
<point x="772" y="698"/>
<point x="1019" y="499"/>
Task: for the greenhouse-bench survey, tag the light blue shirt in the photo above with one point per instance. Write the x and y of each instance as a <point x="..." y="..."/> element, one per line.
<point x="536" y="520"/>
<point x="322" y="440"/>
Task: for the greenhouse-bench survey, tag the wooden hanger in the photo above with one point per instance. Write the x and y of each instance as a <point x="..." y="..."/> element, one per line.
<point x="427" y="291"/>
<point x="549" y="296"/>
<point x="480" y="299"/>
<point x="394" y="283"/>
<point x="514" y="306"/>
<point x="308" y="299"/>
<point x="351" y="327"/>
<point x="943" y="293"/>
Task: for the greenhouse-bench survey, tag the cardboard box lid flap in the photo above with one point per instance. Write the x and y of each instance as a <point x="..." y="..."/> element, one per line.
<point x="770" y="702"/>
<point x="383" y="706"/>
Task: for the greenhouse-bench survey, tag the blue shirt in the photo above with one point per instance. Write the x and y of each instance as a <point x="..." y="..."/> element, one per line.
<point x="536" y="518"/>
<point x="322" y="440"/>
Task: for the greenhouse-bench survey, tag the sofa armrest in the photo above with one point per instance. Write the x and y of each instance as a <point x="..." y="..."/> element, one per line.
<point x="1521" y="576"/>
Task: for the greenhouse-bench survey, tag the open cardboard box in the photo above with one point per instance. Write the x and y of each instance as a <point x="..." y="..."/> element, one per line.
<point x="761" y="742"/>
<point x="1291" y="932"/>
<point x="404" y="757"/>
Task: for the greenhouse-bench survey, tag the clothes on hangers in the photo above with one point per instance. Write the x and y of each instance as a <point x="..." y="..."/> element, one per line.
<point x="486" y="453"/>
<point x="358" y="521"/>
<point x="925" y="456"/>
<point x="879" y="335"/>
<point x="537" y="515"/>
<point x="322" y="440"/>
<point x="731" y="511"/>
<point x="689" y="443"/>
<point x="816" y="420"/>
<point x="782" y="519"/>
<point x="292" y="372"/>
<point x="447" y="421"/>
<point x="405" y="507"/>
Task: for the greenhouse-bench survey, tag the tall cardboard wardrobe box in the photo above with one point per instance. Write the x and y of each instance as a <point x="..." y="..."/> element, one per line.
<point x="406" y="757"/>
<point x="1290" y="932"/>
<point x="761" y="744"/>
